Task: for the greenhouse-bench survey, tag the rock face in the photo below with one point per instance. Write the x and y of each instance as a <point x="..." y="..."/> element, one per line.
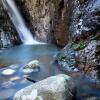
<point x="8" y="36"/>
<point x="48" y="19"/>
<point x="62" y="21"/>
<point x="58" y="87"/>
<point x="66" y="59"/>
<point x="85" y="18"/>
<point x="85" y="35"/>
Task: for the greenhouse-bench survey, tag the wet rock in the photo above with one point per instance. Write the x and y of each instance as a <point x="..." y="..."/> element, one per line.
<point x="66" y="59"/>
<point x="32" y="66"/>
<point x="58" y="87"/>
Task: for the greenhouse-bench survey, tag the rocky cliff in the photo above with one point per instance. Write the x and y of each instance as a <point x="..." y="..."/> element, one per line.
<point x="8" y="35"/>
<point x="85" y="39"/>
<point x="49" y="20"/>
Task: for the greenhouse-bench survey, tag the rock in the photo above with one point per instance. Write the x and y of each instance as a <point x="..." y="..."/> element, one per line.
<point x="58" y="87"/>
<point x="8" y="35"/>
<point x="87" y="60"/>
<point x="85" y="17"/>
<point x="32" y="66"/>
<point x="66" y="59"/>
<point x="48" y="19"/>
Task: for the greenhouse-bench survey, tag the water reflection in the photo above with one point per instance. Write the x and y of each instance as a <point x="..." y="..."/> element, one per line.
<point x="25" y="54"/>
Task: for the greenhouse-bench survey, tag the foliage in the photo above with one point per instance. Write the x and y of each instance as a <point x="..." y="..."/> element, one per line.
<point x="78" y="46"/>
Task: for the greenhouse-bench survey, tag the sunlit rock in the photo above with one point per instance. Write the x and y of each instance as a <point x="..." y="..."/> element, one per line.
<point x="58" y="87"/>
<point x="32" y="66"/>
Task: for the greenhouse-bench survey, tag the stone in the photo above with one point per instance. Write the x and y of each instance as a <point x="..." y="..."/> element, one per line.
<point x="59" y="87"/>
<point x="32" y="66"/>
<point x="87" y="60"/>
<point x="66" y="59"/>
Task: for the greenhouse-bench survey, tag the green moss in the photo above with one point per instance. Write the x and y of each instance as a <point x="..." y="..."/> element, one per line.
<point x="78" y="46"/>
<point x="82" y="45"/>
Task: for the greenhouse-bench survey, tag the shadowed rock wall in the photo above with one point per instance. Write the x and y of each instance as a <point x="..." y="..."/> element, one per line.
<point x="8" y="35"/>
<point x="49" y="20"/>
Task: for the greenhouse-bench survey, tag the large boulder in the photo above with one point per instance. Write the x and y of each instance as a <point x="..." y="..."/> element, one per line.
<point x="60" y="87"/>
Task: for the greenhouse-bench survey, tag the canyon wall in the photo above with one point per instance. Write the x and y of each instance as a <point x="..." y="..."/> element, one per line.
<point x="83" y="52"/>
<point x="49" y="20"/>
<point x="8" y="35"/>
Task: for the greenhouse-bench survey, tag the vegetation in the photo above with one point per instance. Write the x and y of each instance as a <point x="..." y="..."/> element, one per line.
<point x="78" y="46"/>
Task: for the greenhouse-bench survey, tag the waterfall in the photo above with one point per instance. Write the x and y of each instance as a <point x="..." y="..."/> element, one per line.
<point x="16" y="18"/>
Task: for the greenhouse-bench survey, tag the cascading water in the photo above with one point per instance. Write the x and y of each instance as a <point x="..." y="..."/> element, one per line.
<point x="16" y="18"/>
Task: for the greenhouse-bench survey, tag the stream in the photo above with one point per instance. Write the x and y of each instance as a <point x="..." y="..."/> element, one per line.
<point x="46" y="56"/>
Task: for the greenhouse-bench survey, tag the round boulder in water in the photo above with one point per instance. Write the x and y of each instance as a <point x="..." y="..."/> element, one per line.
<point x="59" y="87"/>
<point x="32" y="66"/>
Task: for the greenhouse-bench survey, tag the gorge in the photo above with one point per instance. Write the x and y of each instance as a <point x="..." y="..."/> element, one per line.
<point x="63" y="35"/>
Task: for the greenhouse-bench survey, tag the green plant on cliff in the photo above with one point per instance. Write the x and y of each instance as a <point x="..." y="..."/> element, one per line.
<point x="78" y="46"/>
